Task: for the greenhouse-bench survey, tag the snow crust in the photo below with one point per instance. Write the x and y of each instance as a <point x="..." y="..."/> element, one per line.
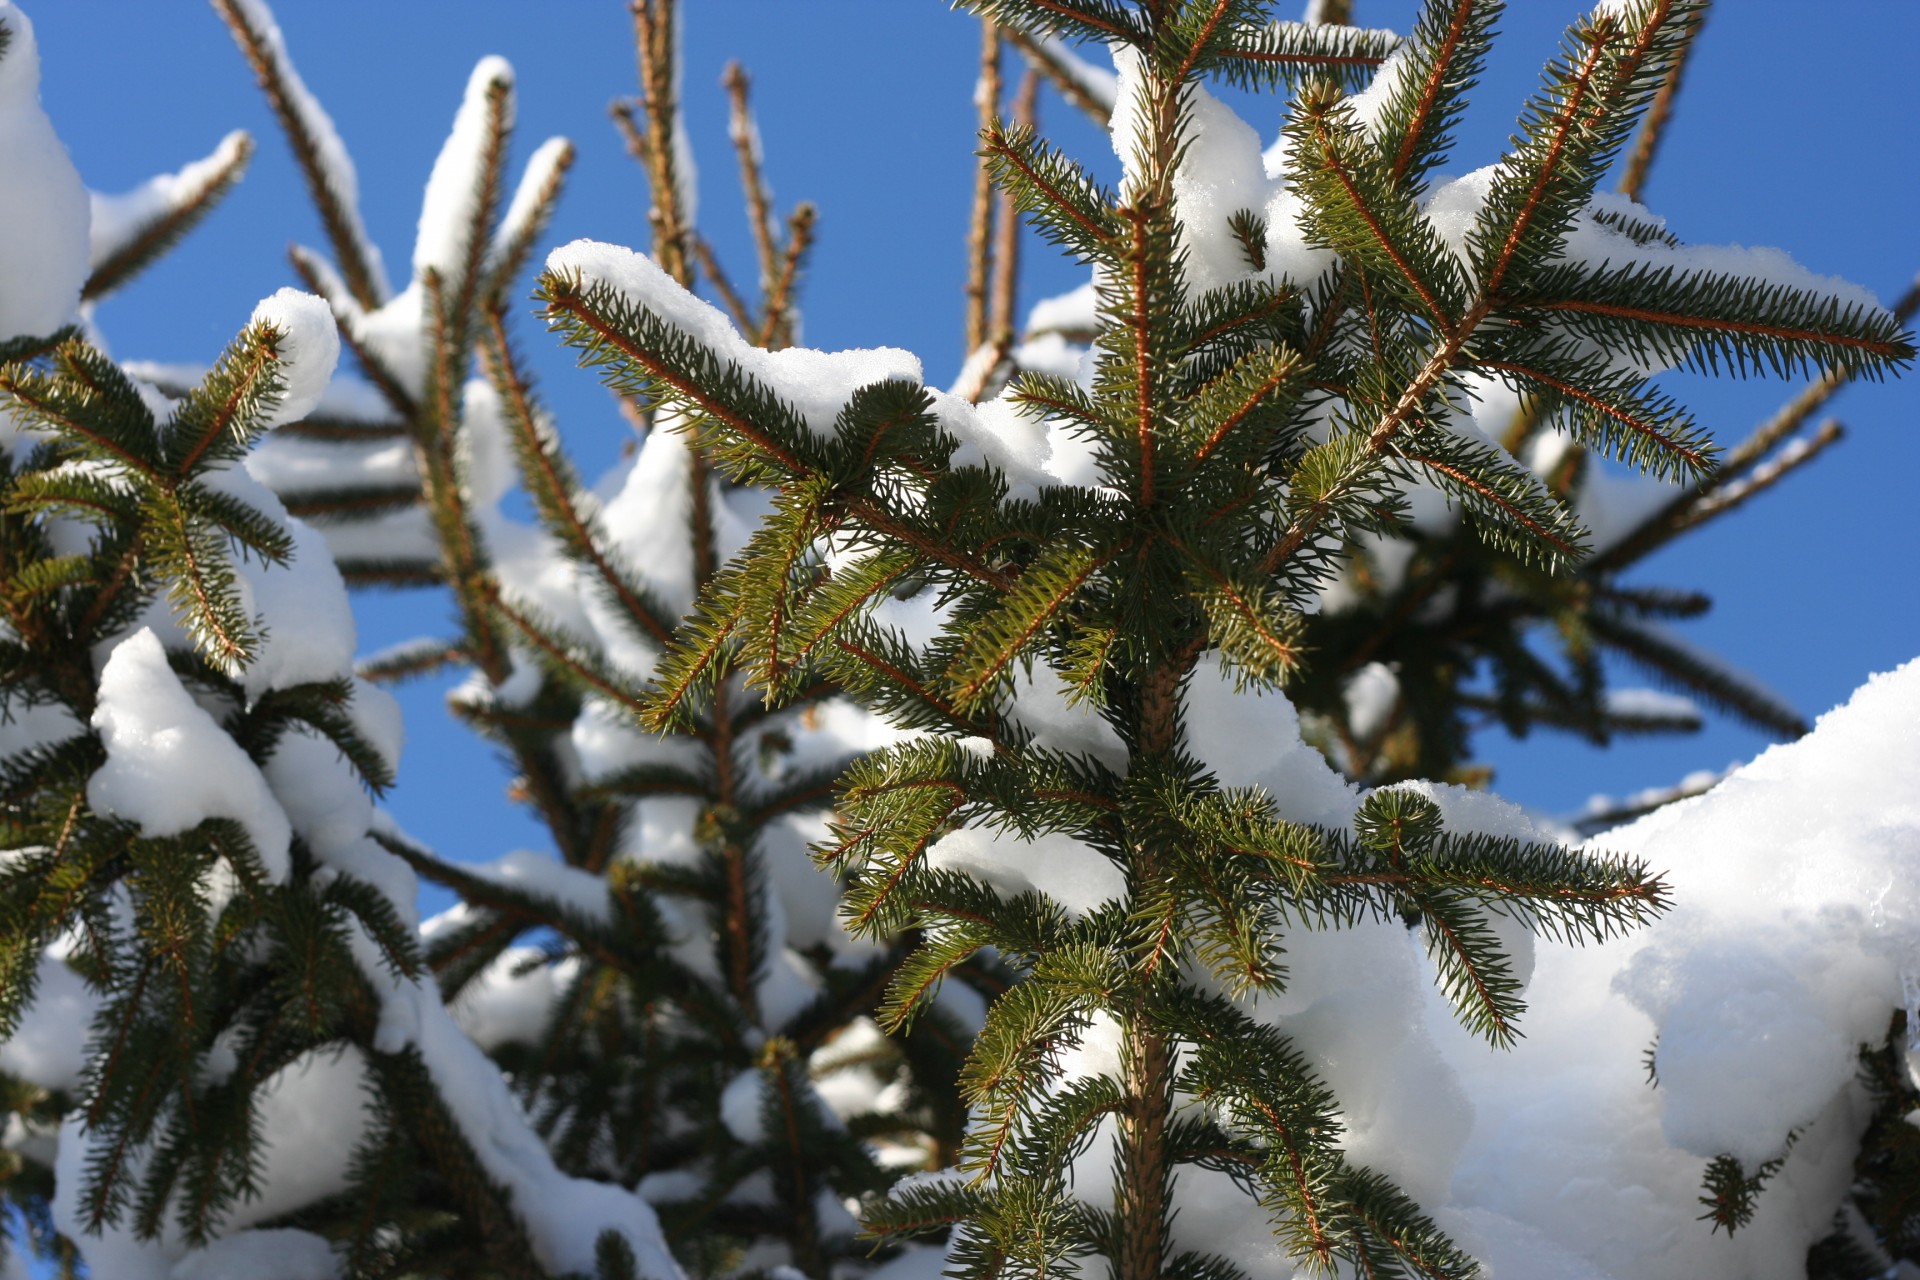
<point x="119" y="219"/>
<point x="169" y="766"/>
<point x="43" y="205"/>
<point x="334" y="161"/>
<point x="454" y="187"/>
<point x="309" y="348"/>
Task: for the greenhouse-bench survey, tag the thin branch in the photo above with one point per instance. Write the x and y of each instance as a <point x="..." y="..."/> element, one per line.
<point x="745" y="134"/>
<point x="1653" y="128"/>
<point x="986" y="101"/>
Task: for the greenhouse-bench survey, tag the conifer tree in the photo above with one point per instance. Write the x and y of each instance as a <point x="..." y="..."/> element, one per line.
<point x="1246" y="420"/>
<point x="700" y="983"/>
<point x="184" y="783"/>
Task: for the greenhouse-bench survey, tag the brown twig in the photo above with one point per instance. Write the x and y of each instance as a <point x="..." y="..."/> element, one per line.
<point x="1653" y="128"/>
<point x="745" y="135"/>
<point x="986" y="99"/>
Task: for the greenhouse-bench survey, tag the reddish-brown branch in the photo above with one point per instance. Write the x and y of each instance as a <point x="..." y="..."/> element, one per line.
<point x="1373" y="225"/>
<point x="1694" y="457"/>
<point x="1436" y="80"/>
<point x="1889" y="350"/>
<point x="1548" y="167"/>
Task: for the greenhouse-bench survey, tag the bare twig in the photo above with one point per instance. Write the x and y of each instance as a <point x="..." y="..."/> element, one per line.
<point x="1653" y="128"/>
<point x="1049" y="64"/>
<point x="746" y="144"/>
<point x="986" y="99"/>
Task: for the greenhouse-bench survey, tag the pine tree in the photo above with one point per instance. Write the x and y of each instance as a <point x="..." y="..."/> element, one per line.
<point x="1247" y="423"/>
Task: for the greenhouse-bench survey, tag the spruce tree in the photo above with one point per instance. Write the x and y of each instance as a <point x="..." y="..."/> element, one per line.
<point x="1060" y="608"/>
<point x="694" y="1010"/>
<point x="1246" y="422"/>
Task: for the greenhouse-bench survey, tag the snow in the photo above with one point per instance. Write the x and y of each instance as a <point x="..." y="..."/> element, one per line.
<point x="1098" y="83"/>
<point x="169" y="766"/>
<point x="43" y="205"/>
<point x="816" y="383"/>
<point x="1371" y="695"/>
<point x="543" y="167"/>
<point x="511" y="1001"/>
<point x="1038" y="702"/>
<point x="309" y="633"/>
<point x="740" y="1106"/>
<point x="579" y="893"/>
<point x="563" y="1215"/>
<point x="120" y="219"/>
<point x="1651" y="704"/>
<point x="291" y="465"/>
<point x="336" y="165"/>
<point x="285" y="1254"/>
<point x="309" y="348"/>
<point x="1077" y="311"/>
<point x="1072" y="873"/>
<point x="454" y="188"/>
<point x="44" y="1048"/>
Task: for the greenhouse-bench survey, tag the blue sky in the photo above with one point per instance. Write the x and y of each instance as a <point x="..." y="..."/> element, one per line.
<point x="1794" y="130"/>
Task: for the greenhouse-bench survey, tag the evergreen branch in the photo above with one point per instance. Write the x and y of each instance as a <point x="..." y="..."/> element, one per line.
<point x="1061" y="199"/>
<point x="519" y="899"/>
<point x="657" y="44"/>
<point x="331" y="506"/>
<point x="598" y="321"/>
<point x="411" y="658"/>
<point x="551" y="481"/>
<point x="1046" y="588"/>
<point x="709" y="263"/>
<point x="321" y="280"/>
<point x="1572" y="95"/>
<point x="48" y="404"/>
<point x="1620" y="415"/>
<point x="1660" y="527"/>
<point x="1043" y="56"/>
<point x="1004" y="288"/>
<point x="1750" y="451"/>
<point x="243" y="384"/>
<point x="211" y="179"/>
<point x="987" y="93"/>
<point x="1453" y="51"/>
<point x="1790" y="459"/>
<point x="1653" y="127"/>
<point x="316" y="147"/>
<point x="1284" y="54"/>
<point x="527" y="216"/>
<point x="1360" y="210"/>
<point x="1098" y="20"/>
<point x="359" y="571"/>
<point x="568" y="656"/>
<point x="1702" y="318"/>
<point x="1510" y="507"/>
<point x="778" y="303"/>
<point x="1234" y="397"/>
<point x="203" y="589"/>
<point x="744" y="133"/>
<point x="1667" y="657"/>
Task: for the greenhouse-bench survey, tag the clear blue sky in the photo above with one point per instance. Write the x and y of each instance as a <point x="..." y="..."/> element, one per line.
<point x="1796" y="130"/>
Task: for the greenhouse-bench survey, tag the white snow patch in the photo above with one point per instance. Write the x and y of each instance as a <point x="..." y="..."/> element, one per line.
<point x="169" y="766"/>
<point x="43" y="205"/>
